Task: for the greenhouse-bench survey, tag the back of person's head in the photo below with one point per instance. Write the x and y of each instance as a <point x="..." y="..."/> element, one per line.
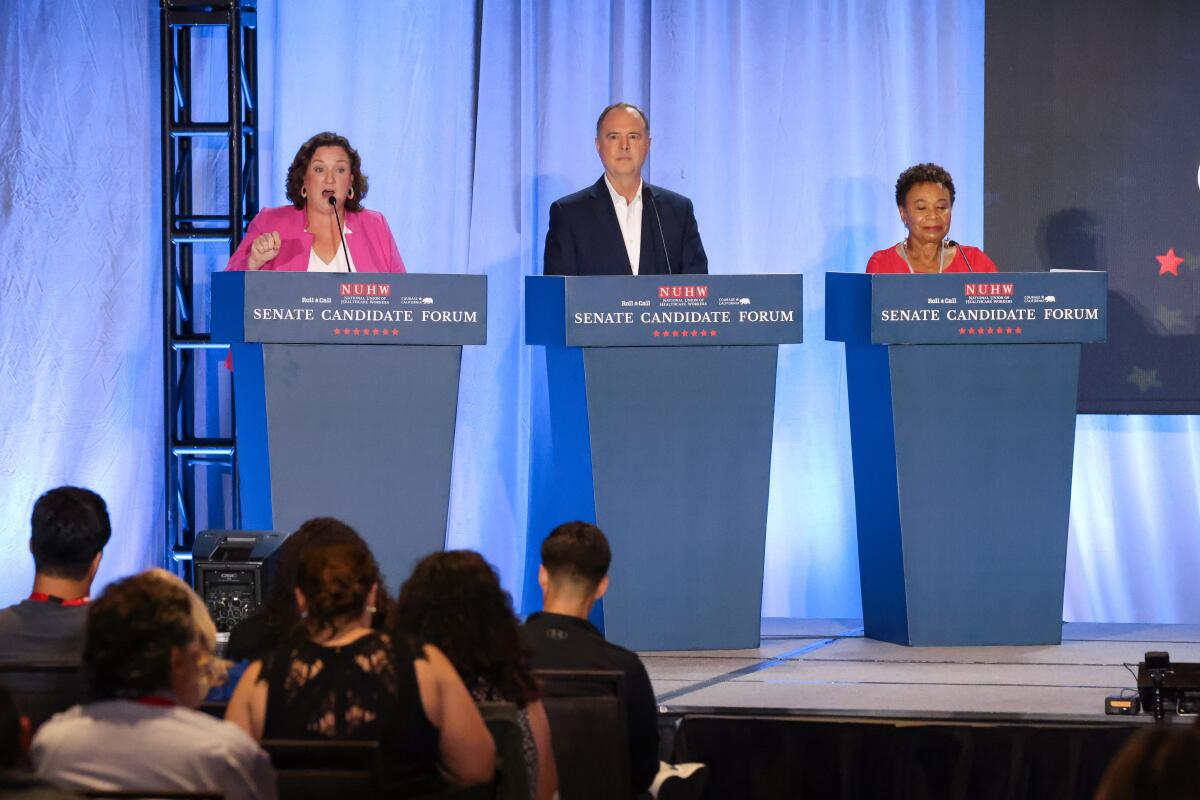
<point x="336" y="580"/>
<point x="1158" y="763"/>
<point x="282" y="613"/>
<point x="577" y="552"/>
<point x="454" y="601"/>
<point x="131" y="631"/>
<point x="10" y="729"/>
<point x="68" y="527"/>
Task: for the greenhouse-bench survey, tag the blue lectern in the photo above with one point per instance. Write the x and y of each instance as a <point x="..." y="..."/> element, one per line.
<point x="661" y="406"/>
<point x="345" y="392"/>
<point x="962" y="392"/>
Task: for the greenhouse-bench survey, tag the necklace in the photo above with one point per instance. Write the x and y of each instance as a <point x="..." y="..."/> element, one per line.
<point x="941" y="255"/>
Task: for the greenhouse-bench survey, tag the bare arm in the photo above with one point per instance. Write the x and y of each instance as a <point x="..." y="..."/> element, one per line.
<point x="467" y="751"/>
<point x="248" y="707"/>
<point x="547" y="775"/>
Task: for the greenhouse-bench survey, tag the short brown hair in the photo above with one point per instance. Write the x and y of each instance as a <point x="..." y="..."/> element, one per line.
<point x="335" y="580"/>
<point x="577" y="550"/>
<point x="922" y="173"/>
<point x="295" y="173"/>
<point x="130" y="633"/>
<point x="627" y="107"/>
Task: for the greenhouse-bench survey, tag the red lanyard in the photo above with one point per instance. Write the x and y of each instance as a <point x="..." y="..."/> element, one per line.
<point x="42" y="597"/>
<point x="157" y="700"/>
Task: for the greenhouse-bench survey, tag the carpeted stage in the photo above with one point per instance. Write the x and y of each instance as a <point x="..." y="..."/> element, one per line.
<point x="817" y="710"/>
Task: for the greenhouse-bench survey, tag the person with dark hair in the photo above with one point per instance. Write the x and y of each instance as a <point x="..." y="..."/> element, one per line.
<point x="69" y="529"/>
<point x="925" y="200"/>
<point x="326" y="187"/>
<point x="621" y="225"/>
<point x="454" y="601"/>
<point x="16" y="781"/>
<point x="148" y="660"/>
<point x="573" y="575"/>
<point x="260" y="633"/>
<point x="337" y="678"/>
<point x="1157" y="763"/>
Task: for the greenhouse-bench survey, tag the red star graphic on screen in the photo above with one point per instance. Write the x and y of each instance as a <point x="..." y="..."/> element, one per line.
<point x="683" y="333"/>
<point x="337" y="331"/>
<point x="674" y="333"/>
<point x="656" y="333"/>
<point x="376" y="331"/>
<point x="385" y="331"/>
<point x="970" y="330"/>
<point x="1008" y="330"/>
<point x="356" y="331"/>
<point x="990" y="330"/>
<point x="961" y="331"/>
<point x="704" y="333"/>
<point x="395" y="332"/>
<point x="1018" y="330"/>
<point x="1169" y="263"/>
<point x="712" y="333"/>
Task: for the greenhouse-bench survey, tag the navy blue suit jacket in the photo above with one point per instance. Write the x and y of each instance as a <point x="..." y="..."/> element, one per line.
<point x="585" y="237"/>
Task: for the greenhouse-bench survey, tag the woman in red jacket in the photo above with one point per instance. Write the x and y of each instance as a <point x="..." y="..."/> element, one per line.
<point x="925" y="200"/>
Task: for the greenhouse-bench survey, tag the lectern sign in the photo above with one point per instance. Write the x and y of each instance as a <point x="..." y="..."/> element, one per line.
<point x="1011" y="307"/>
<point x="365" y="308"/>
<point x="679" y="310"/>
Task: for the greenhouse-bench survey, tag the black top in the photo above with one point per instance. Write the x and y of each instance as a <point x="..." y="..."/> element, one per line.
<point x="42" y="633"/>
<point x="366" y="690"/>
<point x="559" y="641"/>
<point x="585" y="238"/>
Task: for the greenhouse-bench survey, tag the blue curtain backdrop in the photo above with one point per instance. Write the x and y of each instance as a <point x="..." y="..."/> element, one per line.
<point x="785" y="122"/>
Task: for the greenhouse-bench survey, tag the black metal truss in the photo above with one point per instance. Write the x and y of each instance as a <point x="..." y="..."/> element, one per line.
<point x="186" y="446"/>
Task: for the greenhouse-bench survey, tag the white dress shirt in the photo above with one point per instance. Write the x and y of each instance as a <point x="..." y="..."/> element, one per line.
<point x="338" y="264"/>
<point x="629" y="217"/>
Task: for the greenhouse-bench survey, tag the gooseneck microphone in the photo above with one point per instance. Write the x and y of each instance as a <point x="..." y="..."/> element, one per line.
<point x="345" y="251"/>
<point x="662" y="238"/>
<point x="953" y="243"/>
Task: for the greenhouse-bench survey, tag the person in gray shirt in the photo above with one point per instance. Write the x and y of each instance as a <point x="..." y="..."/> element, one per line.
<point x="69" y="529"/>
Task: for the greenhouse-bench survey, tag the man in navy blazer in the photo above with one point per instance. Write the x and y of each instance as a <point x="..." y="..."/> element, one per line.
<point x="621" y="225"/>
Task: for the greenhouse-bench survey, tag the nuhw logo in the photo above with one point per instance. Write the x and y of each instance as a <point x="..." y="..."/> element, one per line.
<point x="988" y="289"/>
<point x="366" y="290"/>
<point x="681" y="292"/>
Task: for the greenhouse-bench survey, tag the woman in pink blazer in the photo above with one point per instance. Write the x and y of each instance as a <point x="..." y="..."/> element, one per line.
<point x="326" y="186"/>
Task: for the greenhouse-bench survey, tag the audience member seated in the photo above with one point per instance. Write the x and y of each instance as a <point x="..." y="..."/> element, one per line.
<point x="69" y="528"/>
<point x="337" y="678"/>
<point x="16" y="781"/>
<point x="1158" y="763"/>
<point x="262" y="632"/>
<point x="454" y="600"/>
<point x="148" y="658"/>
<point x="573" y="576"/>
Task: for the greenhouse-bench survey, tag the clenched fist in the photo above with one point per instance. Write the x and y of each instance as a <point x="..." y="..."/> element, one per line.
<point x="265" y="248"/>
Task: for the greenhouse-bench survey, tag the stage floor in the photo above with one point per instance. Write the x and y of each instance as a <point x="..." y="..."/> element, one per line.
<point x="826" y="668"/>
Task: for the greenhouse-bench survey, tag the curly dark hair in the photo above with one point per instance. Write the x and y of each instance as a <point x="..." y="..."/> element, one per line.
<point x="281" y="614"/>
<point x="295" y="173"/>
<point x="578" y="551"/>
<point x="130" y="633"/>
<point x="922" y="173"/>
<point x="69" y="526"/>
<point x="335" y="580"/>
<point x="454" y="601"/>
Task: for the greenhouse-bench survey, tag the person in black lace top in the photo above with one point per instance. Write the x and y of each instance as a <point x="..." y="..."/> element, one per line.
<point x="336" y="678"/>
<point x="454" y="600"/>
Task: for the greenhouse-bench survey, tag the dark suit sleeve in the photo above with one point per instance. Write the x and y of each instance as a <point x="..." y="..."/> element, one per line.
<point x="643" y="728"/>
<point x="694" y="260"/>
<point x="560" y="246"/>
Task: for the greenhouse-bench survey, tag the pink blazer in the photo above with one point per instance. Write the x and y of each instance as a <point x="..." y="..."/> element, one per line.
<point x="371" y="244"/>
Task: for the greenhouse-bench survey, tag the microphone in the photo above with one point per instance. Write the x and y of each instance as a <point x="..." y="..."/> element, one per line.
<point x="964" y="254"/>
<point x="345" y="251"/>
<point x="662" y="238"/>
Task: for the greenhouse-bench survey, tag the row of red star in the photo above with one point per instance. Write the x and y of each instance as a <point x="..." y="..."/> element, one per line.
<point x="685" y="333"/>
<point x="365" y="332"/>
<point x="977" y="331"/>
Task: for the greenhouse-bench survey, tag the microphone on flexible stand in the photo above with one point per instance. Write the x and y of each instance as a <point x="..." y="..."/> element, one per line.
<point x="345" y="252"/>
<point x="662" y="238"/>
<point x="964" y="254"/>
